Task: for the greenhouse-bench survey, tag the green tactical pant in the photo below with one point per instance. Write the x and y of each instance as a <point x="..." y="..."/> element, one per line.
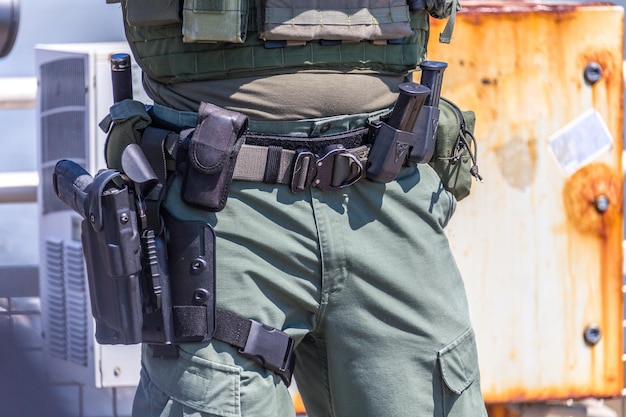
<point x="363" y="279"/>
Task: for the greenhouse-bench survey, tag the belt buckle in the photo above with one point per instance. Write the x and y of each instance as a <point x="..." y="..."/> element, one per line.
<point x="334" y="168"/>
<point x="271" y="348"/>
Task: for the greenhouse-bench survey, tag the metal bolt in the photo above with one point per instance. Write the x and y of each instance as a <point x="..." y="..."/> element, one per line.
<point x="592" y="334"/>
<point x="200" y="295"/>
<point x="124" y="218"/>
<point x="602" y="203"/>
<point x="593" y="72"/>
<point x="117" y="371"/>
<point x="198" y="264"/>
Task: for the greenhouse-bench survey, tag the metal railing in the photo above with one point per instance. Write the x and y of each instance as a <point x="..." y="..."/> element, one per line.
<point x="18" y="93"/>
<point x="18" y="187"/>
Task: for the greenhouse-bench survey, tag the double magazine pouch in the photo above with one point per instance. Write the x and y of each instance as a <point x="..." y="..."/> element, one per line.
<point x="211" y="157"/>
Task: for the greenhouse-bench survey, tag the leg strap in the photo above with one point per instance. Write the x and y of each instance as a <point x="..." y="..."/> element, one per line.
<point x="265" y="345"/>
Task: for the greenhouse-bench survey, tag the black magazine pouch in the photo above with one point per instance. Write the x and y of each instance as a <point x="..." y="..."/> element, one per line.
<point x="212" y="154"/>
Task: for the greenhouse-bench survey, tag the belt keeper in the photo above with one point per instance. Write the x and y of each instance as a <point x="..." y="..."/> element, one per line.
<point x="272" y="164"/>
<point x="303" y="170"/>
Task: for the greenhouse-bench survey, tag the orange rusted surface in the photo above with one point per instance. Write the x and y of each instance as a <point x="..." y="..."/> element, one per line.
<point x="540" y="243"/>
<point x="593" y="200"/>
<point x="499" y="410"/>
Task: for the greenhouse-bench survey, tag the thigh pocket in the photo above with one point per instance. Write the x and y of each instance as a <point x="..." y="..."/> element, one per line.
<point x="198" y="384"/>
<point x="458" y="362"/>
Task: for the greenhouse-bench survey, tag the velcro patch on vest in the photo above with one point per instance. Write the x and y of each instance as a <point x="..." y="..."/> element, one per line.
<point x="353" y="20"/>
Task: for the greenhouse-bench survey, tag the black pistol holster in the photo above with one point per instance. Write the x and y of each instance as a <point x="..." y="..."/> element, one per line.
<point x="151" y="275"/>
<point x="133" y="298"/>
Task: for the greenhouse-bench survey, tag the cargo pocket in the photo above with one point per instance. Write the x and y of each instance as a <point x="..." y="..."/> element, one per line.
<point x="458" y="362"/>
<point x="208" y="387"/>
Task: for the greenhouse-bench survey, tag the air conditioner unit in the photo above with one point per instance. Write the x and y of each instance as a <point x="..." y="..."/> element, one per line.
<point x="74" y="95"/>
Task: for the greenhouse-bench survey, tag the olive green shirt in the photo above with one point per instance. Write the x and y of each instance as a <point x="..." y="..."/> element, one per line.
<point x="302" y="95"/>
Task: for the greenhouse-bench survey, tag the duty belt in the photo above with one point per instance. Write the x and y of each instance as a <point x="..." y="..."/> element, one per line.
<point x="327" y="162"/>
<point x="329" y="168"/>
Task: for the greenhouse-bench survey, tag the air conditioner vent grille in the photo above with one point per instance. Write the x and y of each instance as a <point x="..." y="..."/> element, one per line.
<point x="58" y="84"/>
<point x="55" y="296"/>
<point x="76" y="304"/>
<point x="63" y="135"/>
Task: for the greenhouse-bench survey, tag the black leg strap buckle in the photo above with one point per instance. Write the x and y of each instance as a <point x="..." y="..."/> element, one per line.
<point x="334" y="168"/>
<point x="271" y="348"/>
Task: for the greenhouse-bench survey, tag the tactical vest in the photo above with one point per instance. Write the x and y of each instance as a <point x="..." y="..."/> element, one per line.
<point x="211" y="39"/>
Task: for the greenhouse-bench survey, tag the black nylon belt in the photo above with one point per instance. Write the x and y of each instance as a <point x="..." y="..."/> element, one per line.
<point x="351" y="139"/>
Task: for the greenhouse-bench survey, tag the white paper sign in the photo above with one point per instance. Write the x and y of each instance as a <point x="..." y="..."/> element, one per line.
<point x="580" y="141"/>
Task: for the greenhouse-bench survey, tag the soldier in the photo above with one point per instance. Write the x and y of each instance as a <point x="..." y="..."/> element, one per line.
<point x="356" y="272"/>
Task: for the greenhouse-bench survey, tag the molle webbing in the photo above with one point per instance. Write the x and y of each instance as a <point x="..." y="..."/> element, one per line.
<point x="354" y="20"/>
<point x="164" y="57"/>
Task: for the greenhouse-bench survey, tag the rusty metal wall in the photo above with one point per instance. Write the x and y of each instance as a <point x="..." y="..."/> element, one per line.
<point x="540" y="240"/>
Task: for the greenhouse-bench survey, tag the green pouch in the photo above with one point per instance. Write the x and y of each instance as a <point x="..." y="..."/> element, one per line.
<point x="152" y="12"/>
<point x="215" y="21"/>
<point x="124" y="124"/>
<point x="455" y="154"/>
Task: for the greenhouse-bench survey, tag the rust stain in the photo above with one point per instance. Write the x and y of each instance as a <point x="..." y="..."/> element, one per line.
<point x="585" y="195"/>
<point x="500" y="410"/>
<point x="605" y="59"/>
<point x="475" y="8"/>
<point x="498" y="58"/>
